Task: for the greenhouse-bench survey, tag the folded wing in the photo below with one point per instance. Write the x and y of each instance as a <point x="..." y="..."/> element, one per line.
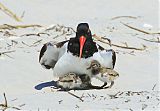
<point x="51" y="52"/>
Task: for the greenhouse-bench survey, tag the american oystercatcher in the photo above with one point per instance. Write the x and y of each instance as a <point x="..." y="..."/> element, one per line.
<point x="102" y="73"/>
<point x="75" y="54"/>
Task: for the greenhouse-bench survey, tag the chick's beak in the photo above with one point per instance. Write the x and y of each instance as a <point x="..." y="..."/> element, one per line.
<point x="82" y="41"/>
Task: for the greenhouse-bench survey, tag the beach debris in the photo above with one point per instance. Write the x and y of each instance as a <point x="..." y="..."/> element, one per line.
<point x="151" y="40"/>
<point x="124" y="52"/>
<point x="114" y="96"/>
<point x="6" y="106"/>
<point x="117" y="17"/>
<point x="60" y="101"/>
<point x="75" y="96"/>
<point x="119" y="46"/>
<point x="140" y="30"/>
<point x="77" y="106"/>
<point x="35" y="34"/>
<point x="34" y="44"/>
<point x="9" y="13"/>
<point x="5" y="53"/>
<point x="11" y="27"/>
<point x="144" y="106"/>
<point x="22" y="105"/>
<point x="154" y="87"/>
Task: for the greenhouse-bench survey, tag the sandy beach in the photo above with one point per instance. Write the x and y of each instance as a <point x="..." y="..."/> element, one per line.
<point x="28" y="86"/>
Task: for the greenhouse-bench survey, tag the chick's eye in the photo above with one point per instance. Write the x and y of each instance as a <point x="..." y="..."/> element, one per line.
<point x="94" y="65"/>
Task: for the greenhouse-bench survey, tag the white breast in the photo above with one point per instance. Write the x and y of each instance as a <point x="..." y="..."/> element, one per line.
<point x="69" y="63"/>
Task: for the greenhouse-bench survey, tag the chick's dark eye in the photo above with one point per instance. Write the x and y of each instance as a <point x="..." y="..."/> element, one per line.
<point x="94" y="65"/>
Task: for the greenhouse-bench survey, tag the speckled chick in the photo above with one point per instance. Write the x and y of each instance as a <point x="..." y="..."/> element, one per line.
<point x="103" y="74"/>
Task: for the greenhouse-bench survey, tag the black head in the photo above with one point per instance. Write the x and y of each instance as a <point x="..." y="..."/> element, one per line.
<point x="82" y="45"/>
<point x="84" y="35"/>
<point x="83" y="30"/>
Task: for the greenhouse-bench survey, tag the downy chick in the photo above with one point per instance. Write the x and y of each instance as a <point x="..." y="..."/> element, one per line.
<point x="73" y="81"/>
<point x="69" y="81"/>
<point x="103" y="74"/>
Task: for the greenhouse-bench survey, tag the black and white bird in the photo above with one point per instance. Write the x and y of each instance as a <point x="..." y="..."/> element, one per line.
<point x="75" y="54"/>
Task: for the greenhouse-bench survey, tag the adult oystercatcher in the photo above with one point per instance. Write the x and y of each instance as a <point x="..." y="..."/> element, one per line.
<point x="74" y="55"/>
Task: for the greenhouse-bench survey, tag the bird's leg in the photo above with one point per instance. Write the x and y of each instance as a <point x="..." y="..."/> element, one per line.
<point x="64" y="89"/>
<point x="112" y="83"/>
<point x="104" y="84"/>
<point x="94" y="87"/>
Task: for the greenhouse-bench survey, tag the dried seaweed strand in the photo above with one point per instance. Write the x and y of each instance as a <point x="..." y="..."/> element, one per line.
<point x="143" y="31"/>
<point x="75" y="96"/>
<point x="6" y="52"/>
<point x="123" y="17"/>
<point x="10" y="27"/>
<point x="124" y="47"/>
<point x="154" y="86"/>
<point x="9" y="12"/>
<point x="36" y="34"/>
<point x="5" y="105"/>
<point x="149" y="40"/>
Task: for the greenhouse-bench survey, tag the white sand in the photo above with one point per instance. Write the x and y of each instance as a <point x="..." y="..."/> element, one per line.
<point x="23" y="79"/>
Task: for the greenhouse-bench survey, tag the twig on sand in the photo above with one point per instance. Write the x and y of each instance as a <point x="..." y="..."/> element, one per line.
<point x="150" y="40"/>
<point x="22" y="105"/>
<point x="37" y="34"/>
<point x="34" y="44"/>
<point x="154" y="87"/>
<point x="143" y="31"/>
<point x="29" y="35"/>
<point x="25" y="44"/>
<point x="60" y="28"/>
<point x="10" y="27"/>
<point x="119" y="46"/>
<point x="5" y="101"/>
<point x="5" y="105"/>
<point x="77" y="106"/>
<point x="144" y="106"/>
<point x="114" y="96"/>
<point x="75" y="96"/>
<point x="23" y="14"/>
<point x="9" y="12"/>
<point x="5" y="53"/>
<point x="38" y="41"/>
<point x="117" y="17"/>
<point x="8" y="34"/>
<point x="8" y="56"/>
<point x="131" y="53"/>
<point x="131" y="109"/>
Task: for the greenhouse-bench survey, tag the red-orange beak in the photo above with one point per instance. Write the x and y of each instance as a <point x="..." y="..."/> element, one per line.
<point x="82" y="40"/>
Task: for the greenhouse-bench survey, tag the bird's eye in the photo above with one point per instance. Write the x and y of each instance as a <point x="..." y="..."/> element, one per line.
<point x="94" y="65"/>
<point x="86" y="51"/>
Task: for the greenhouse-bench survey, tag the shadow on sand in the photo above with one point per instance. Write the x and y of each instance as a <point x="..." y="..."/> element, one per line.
<point x="46" y="84"/>
<point x="53" y="84"/>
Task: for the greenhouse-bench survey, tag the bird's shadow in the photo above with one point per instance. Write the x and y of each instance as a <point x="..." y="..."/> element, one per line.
<point x="46" y="84"/>
<point x="53" y="84"/>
